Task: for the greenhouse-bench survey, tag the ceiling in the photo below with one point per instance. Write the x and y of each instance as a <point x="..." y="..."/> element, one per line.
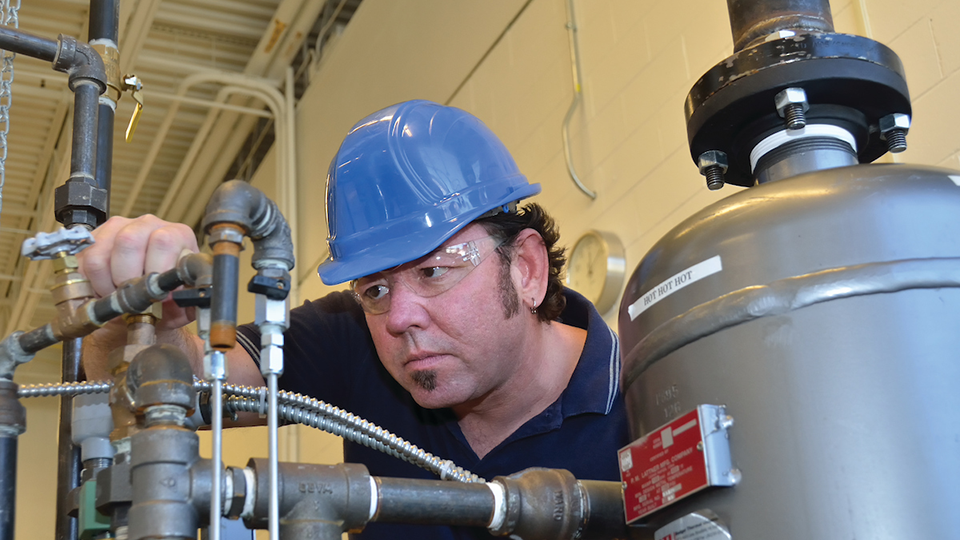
<point x="189" y="138"/>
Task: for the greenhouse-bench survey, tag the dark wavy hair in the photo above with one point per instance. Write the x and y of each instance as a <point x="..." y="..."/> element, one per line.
<point x="506" y="227"/>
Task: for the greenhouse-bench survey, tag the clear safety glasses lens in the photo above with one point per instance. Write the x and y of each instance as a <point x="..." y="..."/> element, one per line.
<point x="435" y="274"/>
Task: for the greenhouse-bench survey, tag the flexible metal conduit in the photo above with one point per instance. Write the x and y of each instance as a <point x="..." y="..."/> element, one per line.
<point x="346" y="425"/>
<point x="299" y="409"/>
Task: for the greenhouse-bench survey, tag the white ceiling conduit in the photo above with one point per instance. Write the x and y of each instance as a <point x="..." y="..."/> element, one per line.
<point x="229" y="133"/>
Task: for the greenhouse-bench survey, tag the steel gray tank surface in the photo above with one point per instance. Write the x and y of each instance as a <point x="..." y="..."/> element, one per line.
<point x="823" y="311"/>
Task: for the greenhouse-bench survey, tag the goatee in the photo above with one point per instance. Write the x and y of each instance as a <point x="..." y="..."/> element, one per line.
<point x="425" y="379"/>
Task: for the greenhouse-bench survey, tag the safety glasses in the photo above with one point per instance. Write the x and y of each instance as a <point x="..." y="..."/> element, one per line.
<point x="435" y="274"/>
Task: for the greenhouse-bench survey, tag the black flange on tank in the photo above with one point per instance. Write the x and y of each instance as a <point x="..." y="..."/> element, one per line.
<point x="851" y="82"/>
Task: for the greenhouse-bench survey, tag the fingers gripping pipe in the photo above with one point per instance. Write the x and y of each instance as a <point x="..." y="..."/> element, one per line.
<point x="133" y="296"/>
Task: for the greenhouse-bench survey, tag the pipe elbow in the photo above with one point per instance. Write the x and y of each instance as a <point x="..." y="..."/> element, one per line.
<point x="237" y="202"/>
<point x="81" y="62"/>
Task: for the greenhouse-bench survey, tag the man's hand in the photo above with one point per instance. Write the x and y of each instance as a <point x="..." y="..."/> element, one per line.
<point x="128" y="248"/>
<point x="125" y="249"/>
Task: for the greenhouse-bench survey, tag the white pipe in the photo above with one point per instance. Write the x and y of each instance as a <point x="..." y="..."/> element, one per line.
<point x="577" y="98"/>
<point x="166" y="96"/>
<point x="188" y="82"/>
<point x="288" y="49"/>
<point x="291" y="211"/>
<point x="240" y="85"/>
<point x="134" y="34"/>
<point x="186" y="162"/>
<point x="214" y="175"/>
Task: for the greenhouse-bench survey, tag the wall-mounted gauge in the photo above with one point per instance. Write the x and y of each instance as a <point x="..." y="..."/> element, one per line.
<point x="596" y="268"/>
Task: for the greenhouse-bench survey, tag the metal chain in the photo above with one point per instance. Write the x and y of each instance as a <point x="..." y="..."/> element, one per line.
<point x="11" y="19"/>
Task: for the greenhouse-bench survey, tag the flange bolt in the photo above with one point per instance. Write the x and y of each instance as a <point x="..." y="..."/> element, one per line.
<point x="893" y="129"/>
<point x="713" y="164"/>
<point x="792" y="106"/>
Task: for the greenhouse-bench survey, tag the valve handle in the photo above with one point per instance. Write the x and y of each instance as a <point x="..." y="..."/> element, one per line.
<point x="48" y="245"/>
<point x="135" y="86"/>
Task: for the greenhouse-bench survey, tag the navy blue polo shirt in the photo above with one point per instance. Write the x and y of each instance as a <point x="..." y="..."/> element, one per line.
<point x="329" y="355"/>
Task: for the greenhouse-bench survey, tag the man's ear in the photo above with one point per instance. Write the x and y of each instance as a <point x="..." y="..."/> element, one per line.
<point x="531" y="267"/>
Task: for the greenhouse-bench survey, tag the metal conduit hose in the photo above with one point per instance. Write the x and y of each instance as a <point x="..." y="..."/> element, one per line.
<point x="297" y="409"/>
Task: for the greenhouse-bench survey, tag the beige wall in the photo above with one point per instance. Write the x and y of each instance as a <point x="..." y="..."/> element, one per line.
<point x="639" y="59"/>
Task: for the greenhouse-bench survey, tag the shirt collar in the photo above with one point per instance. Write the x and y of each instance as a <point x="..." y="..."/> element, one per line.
<point x="595" y="382"/>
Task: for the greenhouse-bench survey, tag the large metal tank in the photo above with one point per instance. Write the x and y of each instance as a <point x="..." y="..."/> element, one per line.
<point x="823" y="311"/>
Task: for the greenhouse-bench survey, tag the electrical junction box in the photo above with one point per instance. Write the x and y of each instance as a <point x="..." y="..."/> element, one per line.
<point x="687" y="455"/>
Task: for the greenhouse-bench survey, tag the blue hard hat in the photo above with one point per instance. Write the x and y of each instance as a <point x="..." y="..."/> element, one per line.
<point x="406" y="179"/>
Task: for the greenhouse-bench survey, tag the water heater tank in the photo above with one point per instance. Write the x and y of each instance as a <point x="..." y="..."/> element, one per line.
<point x="822" y="312"/>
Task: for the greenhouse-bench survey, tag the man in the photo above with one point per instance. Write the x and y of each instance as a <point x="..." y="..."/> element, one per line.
<point x="457" y="333"/>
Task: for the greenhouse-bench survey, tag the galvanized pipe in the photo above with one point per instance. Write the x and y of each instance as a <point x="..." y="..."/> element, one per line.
<point x="752" y="20"/>
<point x="216" y="463"/>
<point x="273" y="454"/>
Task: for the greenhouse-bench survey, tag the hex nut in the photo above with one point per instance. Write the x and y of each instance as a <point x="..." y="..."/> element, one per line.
<point x="894" y="121"/>
<point x="791" y="96"/>
<point x="268" y="311"/>
<point x="271" y="360"/>
<point x="712" y="158"/>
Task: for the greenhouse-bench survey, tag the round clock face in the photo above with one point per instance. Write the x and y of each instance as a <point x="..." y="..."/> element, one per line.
<point x="595" y="268"/>
<point x="588" y="267"/>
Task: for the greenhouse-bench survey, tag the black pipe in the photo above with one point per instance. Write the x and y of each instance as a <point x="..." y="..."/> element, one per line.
<point x="68" y="455"/>
<point x="79" y="200"/>
<point x="104" y="28"/>
<point x="223" y="304"/>
<point x="751" y="20"/>
<point x="405" y="500"/>
<point x="83" y="157"/>
<point x="135" y="296"/>
<point x="104" y="20"/>
<point x="27" y="44"/>
<point x="104" y="165"/>
<point x="37" y="339"/>
<point x="8" y="486"/>
<point x="13" y="421"/>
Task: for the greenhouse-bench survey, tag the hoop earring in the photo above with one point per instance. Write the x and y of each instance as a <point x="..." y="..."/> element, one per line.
<point x="534" y="308"/>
